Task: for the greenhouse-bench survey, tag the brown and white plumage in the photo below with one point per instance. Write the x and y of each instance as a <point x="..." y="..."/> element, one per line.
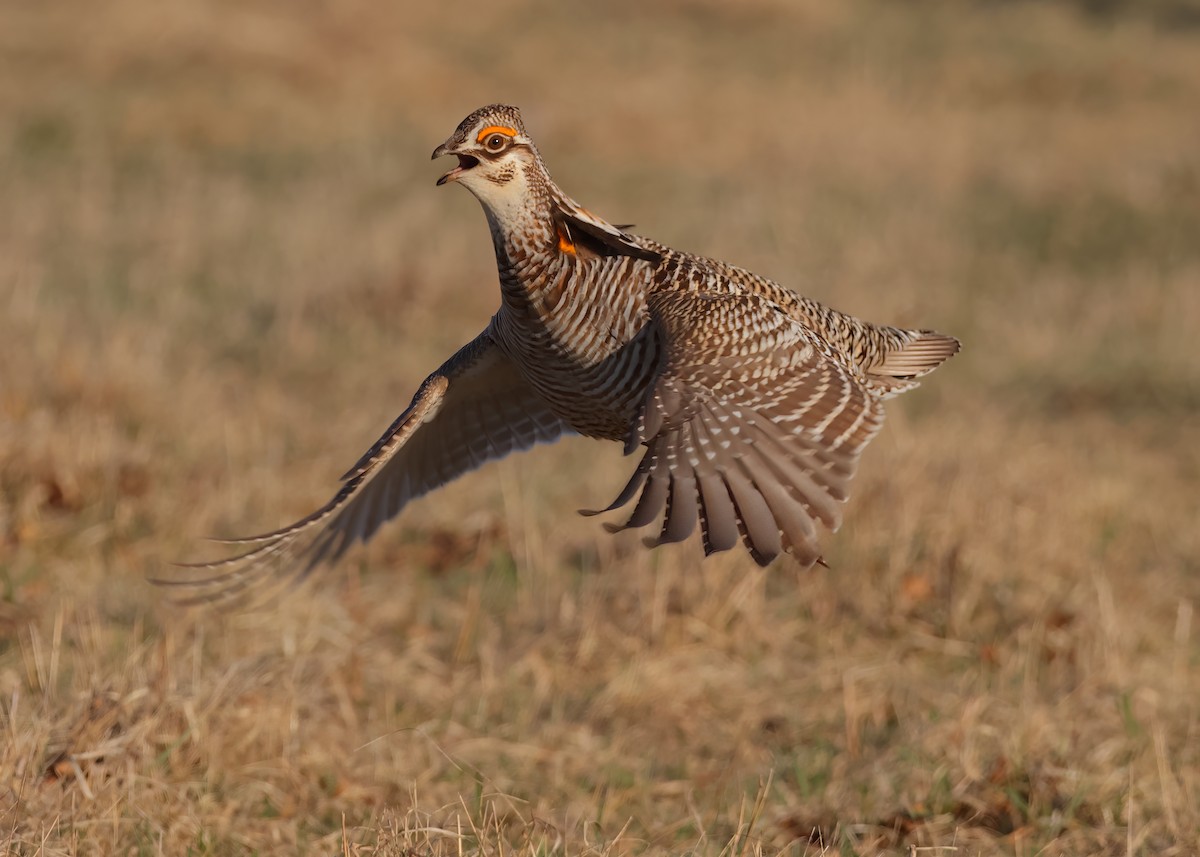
<point x="751" y="404"/>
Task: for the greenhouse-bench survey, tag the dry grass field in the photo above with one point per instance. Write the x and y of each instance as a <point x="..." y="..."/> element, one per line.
<point x="224" y="268"/>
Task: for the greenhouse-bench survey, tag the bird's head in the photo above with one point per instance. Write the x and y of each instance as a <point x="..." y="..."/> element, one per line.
<point x="496" y="158"/>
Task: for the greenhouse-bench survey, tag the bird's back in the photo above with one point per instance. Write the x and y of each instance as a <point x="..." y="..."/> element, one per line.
<point x="588" y="349"/>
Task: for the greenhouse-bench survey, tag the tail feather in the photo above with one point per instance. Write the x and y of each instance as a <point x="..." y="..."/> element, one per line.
<point x="920" y="355"/>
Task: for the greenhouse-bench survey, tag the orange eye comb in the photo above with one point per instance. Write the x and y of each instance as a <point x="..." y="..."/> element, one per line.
<point x="495" y="129"/>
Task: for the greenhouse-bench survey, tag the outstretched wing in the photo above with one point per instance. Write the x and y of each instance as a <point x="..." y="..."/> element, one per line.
<point x="753" y="427"/>
<point x="475" y="408"/>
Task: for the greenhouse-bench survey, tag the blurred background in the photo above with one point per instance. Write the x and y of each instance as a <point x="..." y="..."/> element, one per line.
<point x="225" y="268"/>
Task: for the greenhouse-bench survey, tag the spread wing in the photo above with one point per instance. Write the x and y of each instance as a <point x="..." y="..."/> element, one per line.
<point x="473" y="409"/>
<point x="753" y="428"/>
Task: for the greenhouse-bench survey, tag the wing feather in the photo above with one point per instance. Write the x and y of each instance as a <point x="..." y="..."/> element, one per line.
<point x="475" y="408"/>
<point x="753" y="428"/>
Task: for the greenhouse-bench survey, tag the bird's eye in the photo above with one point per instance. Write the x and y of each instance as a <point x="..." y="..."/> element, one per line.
<point x="496" y="143"/>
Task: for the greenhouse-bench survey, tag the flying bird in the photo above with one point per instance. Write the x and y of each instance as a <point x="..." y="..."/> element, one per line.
<point x="749" y="404"/>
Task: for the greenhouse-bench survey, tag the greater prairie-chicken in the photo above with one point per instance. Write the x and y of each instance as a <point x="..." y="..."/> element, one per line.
<point x="749" y="403"/>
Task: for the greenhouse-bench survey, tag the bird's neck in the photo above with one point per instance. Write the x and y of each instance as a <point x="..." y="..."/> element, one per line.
<point x="528" y="259"/>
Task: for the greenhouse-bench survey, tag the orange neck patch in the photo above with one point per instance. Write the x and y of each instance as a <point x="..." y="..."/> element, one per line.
<point x="565" y="245"/>
<point x="495" y="129"/>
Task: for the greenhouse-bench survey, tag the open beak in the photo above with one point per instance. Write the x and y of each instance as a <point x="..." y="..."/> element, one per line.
<point x="465" y="162"/>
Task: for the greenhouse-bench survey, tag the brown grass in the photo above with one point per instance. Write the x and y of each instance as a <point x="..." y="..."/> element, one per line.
<point x="224" y="268"/>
